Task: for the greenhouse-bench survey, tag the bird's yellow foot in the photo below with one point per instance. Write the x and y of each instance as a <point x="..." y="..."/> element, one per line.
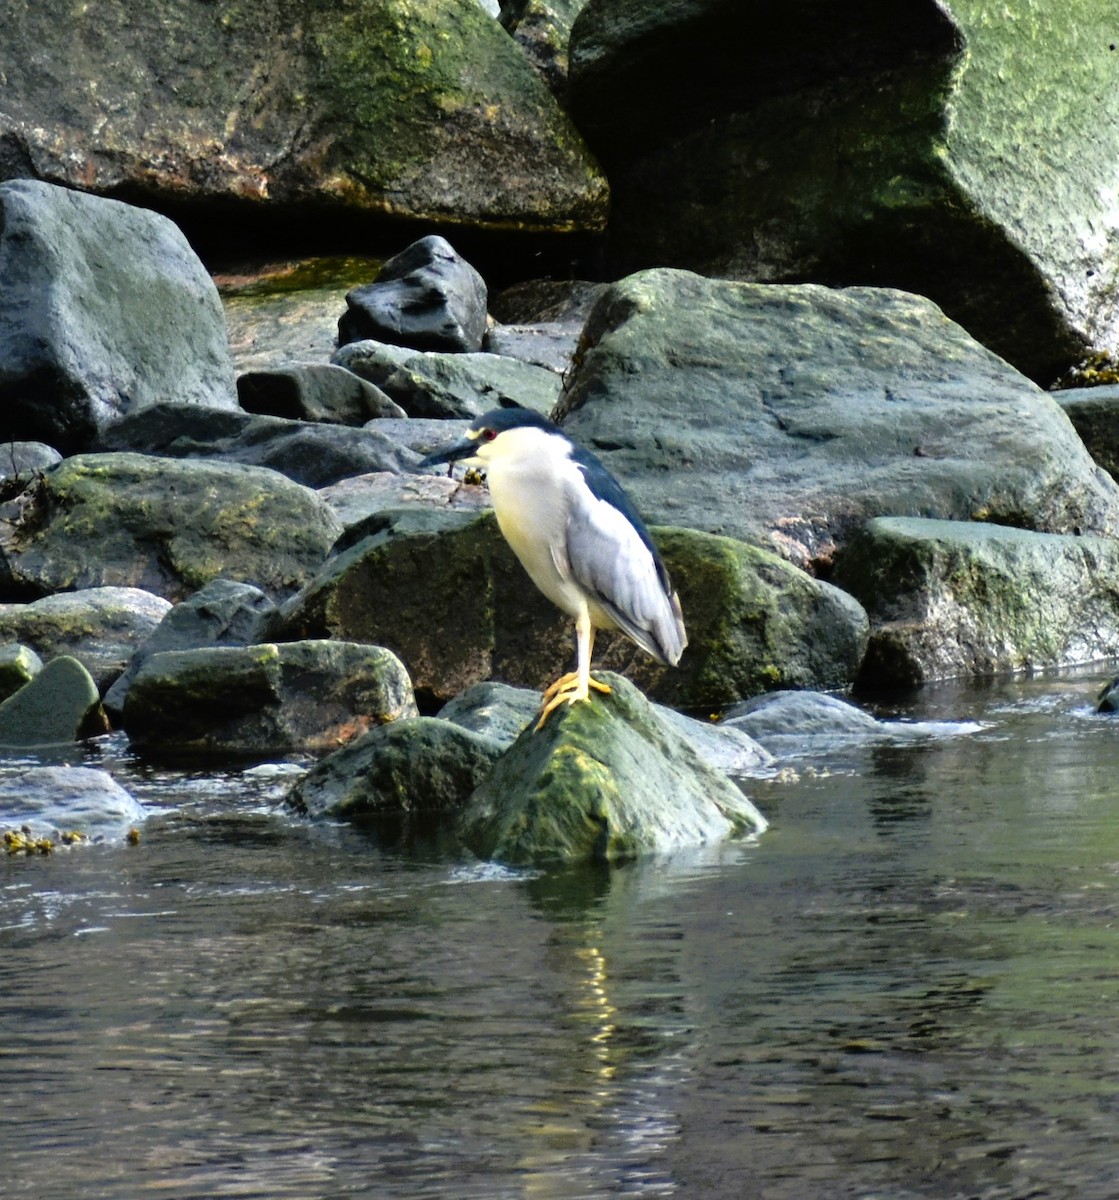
<point x="567" y="690"/>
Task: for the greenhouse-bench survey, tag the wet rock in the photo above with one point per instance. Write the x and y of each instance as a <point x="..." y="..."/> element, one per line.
<point x="416" y="109"/>
<point x="314" y="455"/>
<point x="133" y="317"/>
<point x="18" y="665"/>
<point x="57" y="802"/>
<point x="603" y="781"/>
<point x="542" y="28"/>
<point x="950" y="599"/>
<point x="417" y="766"/>
<point x="777" y="718"/>
<point x="314" y="392"/>
<point x="427" y="297"/>
<point x="444" y="591"/>
<point x="223" y="613"/>
<point x="166" y="526"/>
<point x="502" y="712"/>
<point x="451" y="385"/>
<point x="265" y="699"/>
<point x="61" y="704"/>
<point x="21" y="463"/>
<point x="101" y="627"/>
<point x="785" y="416"/>
<point x="893" y="145"/>
<point x="1108" y="699"/>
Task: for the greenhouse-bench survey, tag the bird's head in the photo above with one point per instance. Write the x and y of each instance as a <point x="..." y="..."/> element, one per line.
<point x="504" y="435"/>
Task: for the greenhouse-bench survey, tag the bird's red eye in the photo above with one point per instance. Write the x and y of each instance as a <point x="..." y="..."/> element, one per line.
<point x="488" y="435"/>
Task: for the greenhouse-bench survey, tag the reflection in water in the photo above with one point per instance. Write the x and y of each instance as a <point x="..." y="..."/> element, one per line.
<point x="905" y="989"/>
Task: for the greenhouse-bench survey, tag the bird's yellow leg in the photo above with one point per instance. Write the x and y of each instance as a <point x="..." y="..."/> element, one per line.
<point x="577" y="684"/>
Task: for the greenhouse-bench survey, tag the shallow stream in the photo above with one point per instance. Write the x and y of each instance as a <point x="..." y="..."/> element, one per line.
<point x="908" y="987"/>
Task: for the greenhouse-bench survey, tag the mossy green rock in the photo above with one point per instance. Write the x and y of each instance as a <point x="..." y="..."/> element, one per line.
<point x="422" y="109"/>
<point x="263" y="699"/>
<point x="425" y="765"/>
<point x="602" y="781"/>
<point x="18" y="665"/>
<point x="952" y="599"/>
<point x="166" y="526"/>
<point x="60" y="704"/>
<point x="961" y="150"/>
<point x="448" y="596"/>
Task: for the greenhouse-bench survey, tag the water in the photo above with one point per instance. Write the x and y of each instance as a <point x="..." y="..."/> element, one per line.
<point x="906" y="989"/>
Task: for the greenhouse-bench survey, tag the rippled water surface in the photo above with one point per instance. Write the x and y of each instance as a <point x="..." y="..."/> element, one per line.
<point x="908" y="987"/>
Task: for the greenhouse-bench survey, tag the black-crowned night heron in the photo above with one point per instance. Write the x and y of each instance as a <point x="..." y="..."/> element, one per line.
<point x="577" y="535"/>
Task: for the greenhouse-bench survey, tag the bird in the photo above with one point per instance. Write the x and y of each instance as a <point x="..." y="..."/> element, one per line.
<point x="576" y="533"/>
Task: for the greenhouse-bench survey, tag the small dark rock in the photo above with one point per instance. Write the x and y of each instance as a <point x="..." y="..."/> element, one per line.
<point x="427" y="297"/>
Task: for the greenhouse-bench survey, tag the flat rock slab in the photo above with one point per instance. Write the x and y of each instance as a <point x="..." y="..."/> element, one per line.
<point x="66" y="800"/>
<point x="100" y="627"/>
<point x="952" y="599"/>
<point x="164" y="525"/>
<point x="788" y="415"/>
<point x="602" y="781"/>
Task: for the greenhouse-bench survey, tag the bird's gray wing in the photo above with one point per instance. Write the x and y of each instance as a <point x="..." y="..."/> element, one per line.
<point x="607" y="556"/>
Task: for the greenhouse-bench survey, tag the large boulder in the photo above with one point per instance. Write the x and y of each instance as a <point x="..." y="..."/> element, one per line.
<point x="104" y="309"/>
<point x="263" y="700"/>
<point x="952" y="599"/>
<point x="167" y="526"/>
<point x="787" y="415"/>
<point x="419" y="109"/>
<point x="446" y="593"/>
<point x="907" y="145"/>
<point x="603" y="781"/>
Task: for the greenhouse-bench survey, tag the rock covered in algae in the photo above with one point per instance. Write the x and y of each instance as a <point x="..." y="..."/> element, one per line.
<point x="606" y="781"/>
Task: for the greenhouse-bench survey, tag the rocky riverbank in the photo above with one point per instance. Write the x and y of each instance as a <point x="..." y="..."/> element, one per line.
<point x="213" y="533"/>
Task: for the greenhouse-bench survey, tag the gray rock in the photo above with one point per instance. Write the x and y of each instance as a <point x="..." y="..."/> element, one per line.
<point x="265" y="699"/>
<point x="18" y="665"/>
<point x="542" y="29"/>
<point x="1108" y="699"/>
<point x="21" y="462"/>
<point x="104" y="309"/>
<point x="65" y="800"/>
<point x="954" y="599"/>
<point x="419" y="766"/>
<point x="101" y="627"/>
<point x="166" y="526"/>
<point x="867" y="143"/>
<point x="314" y="455"/>
<point x="59" y="705"/>
<point x="786" y="416"/>
<point x="223" y="613"/>
<point x="427" y="297"/>
<point x="1094" y="413"/>
<point x="444" y="591"/>
<point x="603" y="781"/>
<point x="416" y="112"/>
<point x="314" y="392"/>
<point x="502" y="713"/>
<point x="447" y="386"/>
<point x="778" y="718"/>
<point x="380" y="496"/>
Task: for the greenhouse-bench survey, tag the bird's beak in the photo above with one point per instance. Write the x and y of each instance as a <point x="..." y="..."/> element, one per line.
<point x="464" y="449"/>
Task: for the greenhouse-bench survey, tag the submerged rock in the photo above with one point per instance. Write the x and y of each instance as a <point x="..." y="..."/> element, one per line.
<point x="603" y="781"/>
<point x="424" y="765"/>
<point x="263" y="699"/>
<point x="64" y="801"/>
<point x="427" y="297"/>
<point x="60" y="704"/>
<point x="163" y="525"/>
<point x="787" y="415"/>
<point x="133" y="318"/>
<point x="952" y="598"/>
